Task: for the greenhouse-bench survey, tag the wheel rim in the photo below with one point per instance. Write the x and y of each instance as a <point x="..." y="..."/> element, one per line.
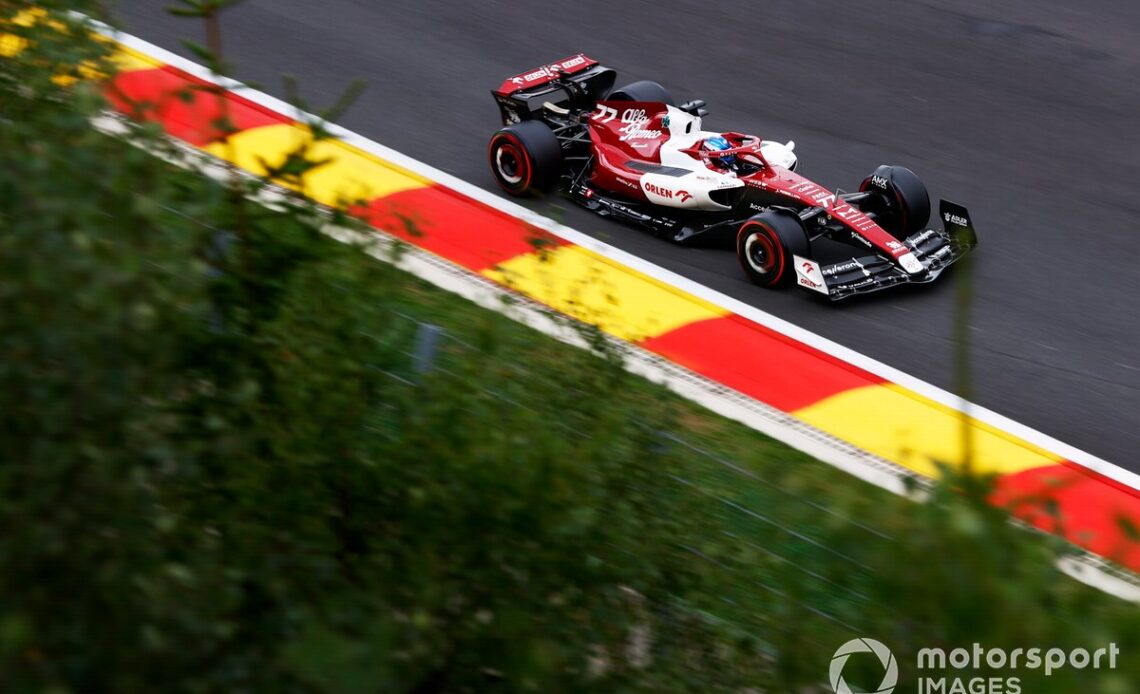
<point x="760" y="253"/>
<point x="510" y="164"/>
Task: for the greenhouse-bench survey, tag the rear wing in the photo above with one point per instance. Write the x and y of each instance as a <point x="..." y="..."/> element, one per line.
<point x="520" y="96"/>
<point x="543" y="75"/>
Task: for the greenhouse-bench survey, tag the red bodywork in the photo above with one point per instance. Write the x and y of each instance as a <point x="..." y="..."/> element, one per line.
<point x="792" y="185"/>
<point x="624" y="132"/>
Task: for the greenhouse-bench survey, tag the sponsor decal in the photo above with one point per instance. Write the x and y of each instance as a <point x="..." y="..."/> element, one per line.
<point x="633" y="115"/>
<point x="808" y="274"/>
<point x="844" y="267"/>
<point x="541" y="73"/>
<point x="921" y="237"/>
<point x="879" y="182"/>
<point x="815" y="193"/>
<point x="634" y="128"/>
<point x="549" y="71"/>
<point x="852" y="215"/>
<point x="844" y="211"/>
<point x="955" y="220"/>
<point x="682" y="195"/>
<point x="858" y="285"/>
<point x="860" y="239"/>
<point x="623" y="208"/>
<point x="895" y="246"/>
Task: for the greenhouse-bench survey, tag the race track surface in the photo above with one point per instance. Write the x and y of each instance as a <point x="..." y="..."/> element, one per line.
<point x="1029" y="114"/>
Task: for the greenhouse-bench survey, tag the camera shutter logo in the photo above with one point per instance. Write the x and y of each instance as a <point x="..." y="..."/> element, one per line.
<point x="890" y="666"/>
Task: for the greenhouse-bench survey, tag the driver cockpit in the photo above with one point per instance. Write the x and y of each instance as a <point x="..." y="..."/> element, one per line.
<point x="719" y="143"/>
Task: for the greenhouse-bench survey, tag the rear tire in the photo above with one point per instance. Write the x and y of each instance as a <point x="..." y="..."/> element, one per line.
<point x="901" y="203"/>
<point x="765" y="245"/>
<point x="645" y="90"/>
<point x="525" y="158"/>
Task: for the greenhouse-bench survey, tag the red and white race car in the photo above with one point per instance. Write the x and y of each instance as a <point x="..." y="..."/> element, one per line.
<point x="633" y="155"/>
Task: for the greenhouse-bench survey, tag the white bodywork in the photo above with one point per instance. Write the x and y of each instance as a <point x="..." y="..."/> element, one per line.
<point x="809" y="275"/>
<point x="911" y="264"/>
<point x="691" y="191"/>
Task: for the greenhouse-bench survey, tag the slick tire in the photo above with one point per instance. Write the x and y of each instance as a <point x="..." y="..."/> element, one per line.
<point x="765" y="245"/>
<point x="525" y="158"/>
<point x="645" y="90"/>
<point x="901" y="203"/>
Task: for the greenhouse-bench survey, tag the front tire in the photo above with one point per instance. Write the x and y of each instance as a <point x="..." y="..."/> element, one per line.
<point x="899" y="200"/>
<point x="765" y="245"/>
<point x="525" y="158"/>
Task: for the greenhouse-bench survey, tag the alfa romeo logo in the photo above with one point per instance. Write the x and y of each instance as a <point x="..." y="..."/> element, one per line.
<point x="839" y="660"/>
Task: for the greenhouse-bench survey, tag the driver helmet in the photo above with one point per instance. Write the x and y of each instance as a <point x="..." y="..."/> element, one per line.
<point x="719" y="144"/>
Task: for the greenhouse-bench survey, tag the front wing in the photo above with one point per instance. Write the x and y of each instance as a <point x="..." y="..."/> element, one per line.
<point x="935" y="249"/>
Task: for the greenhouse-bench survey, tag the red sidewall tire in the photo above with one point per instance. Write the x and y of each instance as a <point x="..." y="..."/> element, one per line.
<point x="525" y="158"/>
<point x="770" y="269"/>
<point x="506" y="148"/>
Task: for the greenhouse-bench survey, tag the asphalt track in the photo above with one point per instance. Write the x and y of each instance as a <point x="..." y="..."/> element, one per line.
<point x="1029" y="113"/>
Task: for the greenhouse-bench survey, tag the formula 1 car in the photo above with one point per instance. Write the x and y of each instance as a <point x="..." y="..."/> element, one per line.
<point x="633" y="155"/>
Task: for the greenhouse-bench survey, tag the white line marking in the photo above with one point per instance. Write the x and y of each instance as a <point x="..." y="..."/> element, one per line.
<point x="889" y="373"/>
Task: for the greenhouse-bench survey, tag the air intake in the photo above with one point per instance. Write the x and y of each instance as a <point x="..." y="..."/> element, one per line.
<point x="729" y="197"/>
